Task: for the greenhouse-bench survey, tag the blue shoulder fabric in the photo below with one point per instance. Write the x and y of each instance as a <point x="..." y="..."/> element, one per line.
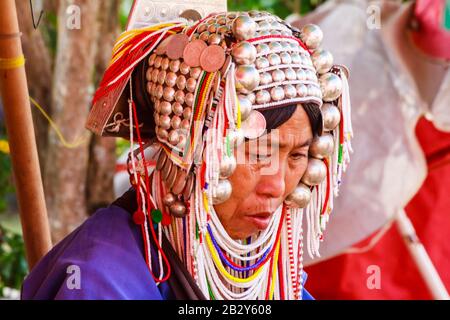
<point x="102" y="259"/>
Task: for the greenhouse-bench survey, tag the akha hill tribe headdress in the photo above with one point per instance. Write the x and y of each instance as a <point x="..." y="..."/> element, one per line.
<point x="206" y="82"/>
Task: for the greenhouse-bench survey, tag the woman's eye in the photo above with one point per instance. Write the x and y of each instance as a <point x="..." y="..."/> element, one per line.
<point x="299" y="155"/>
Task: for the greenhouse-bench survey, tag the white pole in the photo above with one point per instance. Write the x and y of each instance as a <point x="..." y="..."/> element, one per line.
<point x="421" y="257"/>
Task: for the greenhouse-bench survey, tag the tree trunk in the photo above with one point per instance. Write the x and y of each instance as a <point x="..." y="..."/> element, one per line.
<point x="102" y="157"/>
<point x="39" y="75"/>
<point x="66" y="168"/>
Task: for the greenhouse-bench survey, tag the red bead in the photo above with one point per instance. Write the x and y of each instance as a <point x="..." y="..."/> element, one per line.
<point x="166" y="219"/>
<point x="139" y="217"/>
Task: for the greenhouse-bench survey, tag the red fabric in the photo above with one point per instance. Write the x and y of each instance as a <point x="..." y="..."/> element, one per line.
<point x="345" y="277"/>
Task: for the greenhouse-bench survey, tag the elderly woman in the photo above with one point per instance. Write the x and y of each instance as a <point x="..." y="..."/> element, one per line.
<point x="235" y="148"/>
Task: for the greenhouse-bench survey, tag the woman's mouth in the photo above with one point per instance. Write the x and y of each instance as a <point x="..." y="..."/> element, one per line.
<point x="260" y="220"/>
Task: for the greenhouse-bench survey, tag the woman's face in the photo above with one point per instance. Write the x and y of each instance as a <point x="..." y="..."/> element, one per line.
<point x="265" y="176"/>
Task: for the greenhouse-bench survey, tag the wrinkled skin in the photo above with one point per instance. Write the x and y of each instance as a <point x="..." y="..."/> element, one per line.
<point x="264" y="177"/>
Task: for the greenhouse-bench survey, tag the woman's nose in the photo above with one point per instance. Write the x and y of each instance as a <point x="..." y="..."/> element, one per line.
<point x="272" y="182"/>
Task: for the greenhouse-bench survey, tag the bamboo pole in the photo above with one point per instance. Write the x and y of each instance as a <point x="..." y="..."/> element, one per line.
<point x="421" y="258"/>
<point x="19" y="125"/>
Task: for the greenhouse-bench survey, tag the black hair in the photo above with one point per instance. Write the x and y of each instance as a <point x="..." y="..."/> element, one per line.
<point x="276" y="117"/>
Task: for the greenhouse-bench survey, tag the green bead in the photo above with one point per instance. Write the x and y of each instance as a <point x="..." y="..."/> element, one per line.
<point x="157" y="215"/>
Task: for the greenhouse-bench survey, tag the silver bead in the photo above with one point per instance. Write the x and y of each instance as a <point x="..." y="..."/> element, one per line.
<point x="212" y="28"/>
<point x="311" y="35"/>
<point x="315" y="172"/>
<point x="277" y="93"/>
<point x="148" y="74"/>
<point x="159" y="91"/>
<point x="165" y="63"/>
<point x="164" y="122"/>
<point x="290" y="74"/>
<point x="289" y="91"/>
<point x="163" y="134"/>
<point x="301" y="74"/>
<point x="322" y="146"/>
<point x="300" y="197"/>
<point x="274" y="59"/>
<point x="165" y="108"/>
<point x="171" y="79"/>
<point x="195" y="72"/>
<point x="244" y="28"/>
<point x="262" y="63"/>
<point x="151" y="60"/>
<point x="285" y="45"/>
<point x="191" y="84"/>
<point x="244" y="53"/>
<point x="275" y="46"/>
<point x="262" y="48"/>
<point x="227" y="167"/>
<point x="331" y="116"/>
<point x="302" y="90"/>
<point x="178" y="209"/>
<point x="204" y="36"/>
<point x="331" y="86"/>
<point x="187" y="113"/>
<point x="265" y="78"/>
<point x="245" y="107"/>
<point x="214" y="39"/>
<point x="264" y="25"/>
<point x="202" y="28"/>
<point x="251" y="97"/>
<point x="175" y="122"/>
<point x="278" y="75"/>
<point x="162" y="77"/>
<point x="223" y="29"/>
<point x="174" y="137"/>
<point x="263" y="33"/>
<point x="181" y="82"/>
<point x="169" y="199"/>
<point x="169" y="94"/>
<point x="185" y="124"/>
<point x="157" y="63"/>
<point x="189" y="99"/>
<point x="322" y="60"/>
<point x="177" y="108"/>
<point x="285" y="58"/>
<point x="262" y="97"/>
<point x="157" y="106"/>
<point x="247" y="77"/>
<point x="222" y="192"/>
<point x="296" y="58"/>
<point x="184" y="68"/>
<point x="155" y="74"/>
<point x="179" y="96"/>
<point x="174" y="65"/>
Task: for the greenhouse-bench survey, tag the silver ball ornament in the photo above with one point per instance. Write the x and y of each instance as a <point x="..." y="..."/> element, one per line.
<point x="322" y="60"/>
<point x="315" y="172"/>
<point x="322" y="146"/>
<point x="245" y="107"/>
<point x="300" y="197"/>
<point x="227" y="167"/>
<point x="222" y="192"/>
<point x="331" y="117"/>
<point x="244" y="28"/>
<point x="247" y="78"/>
<point x="331" y="86"/>
<point x="311" y="35"/>
<point x="244" y="53"/>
